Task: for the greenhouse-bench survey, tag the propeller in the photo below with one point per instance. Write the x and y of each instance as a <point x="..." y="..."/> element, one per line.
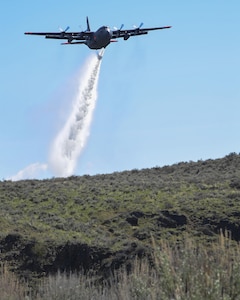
<point x="121" y="27"/>
<point x="61" y="30"/>
<point x="118" y="30"/>
<point x="135" y="27"/>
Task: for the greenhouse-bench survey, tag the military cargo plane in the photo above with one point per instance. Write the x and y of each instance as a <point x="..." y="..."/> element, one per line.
<point x="96" y="39"/>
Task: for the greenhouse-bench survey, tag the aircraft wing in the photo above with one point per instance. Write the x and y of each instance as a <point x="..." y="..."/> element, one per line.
<point x="126" y="33"/>
<point x="63" y="35"/>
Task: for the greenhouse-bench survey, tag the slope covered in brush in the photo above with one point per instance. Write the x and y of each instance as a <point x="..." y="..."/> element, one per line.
<point x="104" y="220"/>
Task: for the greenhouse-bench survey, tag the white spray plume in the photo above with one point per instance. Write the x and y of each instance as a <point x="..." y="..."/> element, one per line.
<point x="30" y="172"/>
<point x="72" y="138"/>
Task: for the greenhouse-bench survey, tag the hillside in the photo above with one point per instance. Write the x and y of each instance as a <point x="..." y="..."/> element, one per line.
<point x="103" y="221"/>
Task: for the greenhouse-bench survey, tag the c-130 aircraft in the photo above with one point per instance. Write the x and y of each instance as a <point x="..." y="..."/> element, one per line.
<point x="96" y="39"/>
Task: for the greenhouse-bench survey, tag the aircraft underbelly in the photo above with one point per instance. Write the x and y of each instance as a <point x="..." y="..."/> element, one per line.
<point x="98" y="45"/>
<point x="100" y="39"/>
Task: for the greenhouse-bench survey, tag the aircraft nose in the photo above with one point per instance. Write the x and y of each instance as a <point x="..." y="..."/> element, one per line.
<point x="108" y="31"/>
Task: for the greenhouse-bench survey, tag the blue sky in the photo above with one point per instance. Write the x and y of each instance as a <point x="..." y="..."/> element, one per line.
<point x="163" y="98"/>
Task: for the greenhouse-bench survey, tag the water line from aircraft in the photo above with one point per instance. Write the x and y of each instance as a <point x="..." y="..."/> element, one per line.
<point x="70" y="141"/>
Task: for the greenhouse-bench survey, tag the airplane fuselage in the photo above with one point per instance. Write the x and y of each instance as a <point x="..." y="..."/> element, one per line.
<point x="100" y="38"/>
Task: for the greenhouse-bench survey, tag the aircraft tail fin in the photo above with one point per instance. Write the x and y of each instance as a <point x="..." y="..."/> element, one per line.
<point x="88" y="26"/>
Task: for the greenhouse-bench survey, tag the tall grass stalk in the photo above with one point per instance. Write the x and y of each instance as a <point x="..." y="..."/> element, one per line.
<point x="10" y="286"/>
<point x="185" y="270"/>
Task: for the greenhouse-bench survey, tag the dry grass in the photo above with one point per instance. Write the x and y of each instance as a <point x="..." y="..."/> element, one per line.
<point x="10" y="286"/>
<point x="189" y="270"/>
